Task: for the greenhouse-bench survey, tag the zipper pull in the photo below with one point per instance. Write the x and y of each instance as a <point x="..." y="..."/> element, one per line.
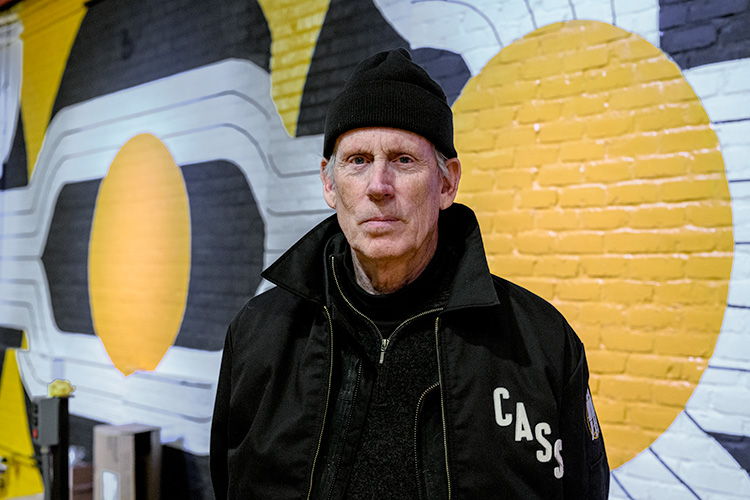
<point x="383" y="347"/>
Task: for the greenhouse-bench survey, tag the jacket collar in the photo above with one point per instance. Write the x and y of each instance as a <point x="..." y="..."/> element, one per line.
<point x="301" y="269"/>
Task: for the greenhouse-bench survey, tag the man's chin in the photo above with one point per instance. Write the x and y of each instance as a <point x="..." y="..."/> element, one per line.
<point x="379" y="248"/>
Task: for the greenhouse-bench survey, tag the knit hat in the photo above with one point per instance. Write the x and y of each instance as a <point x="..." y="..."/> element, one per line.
<point x="390" y="90"/>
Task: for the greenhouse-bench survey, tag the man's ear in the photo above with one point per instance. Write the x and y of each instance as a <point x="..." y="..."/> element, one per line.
<point x="450" y="183"/>
<point x="329" y="190"/>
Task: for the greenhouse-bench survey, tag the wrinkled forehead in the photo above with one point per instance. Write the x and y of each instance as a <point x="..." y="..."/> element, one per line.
<point x="383" y="140"/>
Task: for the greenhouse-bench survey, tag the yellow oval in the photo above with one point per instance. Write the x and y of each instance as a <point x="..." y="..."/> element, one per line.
<point x="599" y="184"/>
<point x="139" y="255"/>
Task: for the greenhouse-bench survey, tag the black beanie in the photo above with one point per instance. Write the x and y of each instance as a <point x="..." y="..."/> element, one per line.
<point x="390" y="90"/>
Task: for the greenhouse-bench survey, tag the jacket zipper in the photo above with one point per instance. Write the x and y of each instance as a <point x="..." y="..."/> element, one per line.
<point x="416" y="429"/>
<point x="442" y="407"/>
<point x="387" y="341"/>
<point x="328" y="397"/>
<point x="384" y="341"/>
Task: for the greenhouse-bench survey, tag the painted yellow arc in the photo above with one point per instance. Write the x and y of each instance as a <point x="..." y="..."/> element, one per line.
<point x="139" y="259"/>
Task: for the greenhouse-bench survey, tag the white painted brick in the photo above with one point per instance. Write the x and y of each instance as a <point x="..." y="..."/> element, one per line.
<point x="510" y="31"/>
<point x="615" y="492"/>
<point x="739" y="276"/>
<point x="468" y="30"/>
<point x="721" y="496"/>
<point x="736" y="162"/>
<point x="551" y="11"/>
<point x="644" y="477"/>
<point x="633" y="6"/>
<point x="734" y="134"/>
<point x="704" y="81"/>
<point x="697" y="458"/>
<point x="678" y="444"/>
<point x="741" y="218"/>
<point x="646" y="466"/>
<point x="732" y="400"/>
<point x="639" y="16"/>
<point x="594" y="10"/>
<point x="732" y="349"/>
<point x="723" y="107"/>
<point x="717" y="377"/>
<point x="507" y="12"/>
<point x="737" y="81"/>
<point x="544" y="18"/>
<point x="740" y="192"/>
<point x="642" y="23"/>
<point x="734" y="76"/>
<point x="720" y="77"/>
<point x="711" y="477"/>
<point x="739" y="290"/>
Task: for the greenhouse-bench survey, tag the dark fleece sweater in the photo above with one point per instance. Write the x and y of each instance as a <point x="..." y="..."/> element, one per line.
<point x="384" y="462"/>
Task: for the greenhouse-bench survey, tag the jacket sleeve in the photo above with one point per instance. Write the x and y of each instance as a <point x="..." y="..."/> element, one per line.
<point x="586" y="471"/>
<point x="220" y="424"/>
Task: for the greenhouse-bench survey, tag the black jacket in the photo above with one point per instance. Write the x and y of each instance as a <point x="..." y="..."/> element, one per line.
<point x="517" y="421"/>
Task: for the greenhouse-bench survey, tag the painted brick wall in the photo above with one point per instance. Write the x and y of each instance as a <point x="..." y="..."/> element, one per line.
<point x="604" y="147"/>
<point x="49" y="30"/>
<point x="599" y="185"/>
<point x="698" y="32"/>
<point x="294" y="28"/>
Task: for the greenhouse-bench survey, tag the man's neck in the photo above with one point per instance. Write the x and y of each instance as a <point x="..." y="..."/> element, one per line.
<point x="381" y="276"/>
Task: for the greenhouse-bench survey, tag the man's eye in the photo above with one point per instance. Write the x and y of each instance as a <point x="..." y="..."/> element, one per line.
<point x="404" y="159"/>
<point x="358" y="160"/>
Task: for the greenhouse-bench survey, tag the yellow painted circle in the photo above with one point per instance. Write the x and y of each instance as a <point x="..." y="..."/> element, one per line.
<point x="599" y="185"/>
<point x="139" y="259"/>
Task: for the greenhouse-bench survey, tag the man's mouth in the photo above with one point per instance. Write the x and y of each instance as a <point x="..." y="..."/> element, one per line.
<point x="382" y="218"/>
<point x="380" y="223"/>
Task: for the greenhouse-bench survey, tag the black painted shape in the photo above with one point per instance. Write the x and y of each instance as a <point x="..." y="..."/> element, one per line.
<point x="122" y="43"/>
<point x="15" y="171"/>
<point x="699" y="32"/>
<point x="10" y="338"/>
<point x="227" y="246"/>
<point x="737" y="446"/>
<point x="352" y="31"/>
<point x="447" y="68"/>
<point x="66" y="256"/>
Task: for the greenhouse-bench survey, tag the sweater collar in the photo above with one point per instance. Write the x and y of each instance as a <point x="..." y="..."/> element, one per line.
<point x="301" y="269"/>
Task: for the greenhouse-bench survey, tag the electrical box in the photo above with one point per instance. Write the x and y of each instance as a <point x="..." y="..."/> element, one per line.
<point x="49" y="418"/>
<point x="127" y="462"/>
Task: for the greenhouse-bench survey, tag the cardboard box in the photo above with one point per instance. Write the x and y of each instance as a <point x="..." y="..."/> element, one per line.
<point x="127" y="462"/>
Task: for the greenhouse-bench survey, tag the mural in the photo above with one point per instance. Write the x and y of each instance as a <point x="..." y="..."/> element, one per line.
<point x="158" y="154"/>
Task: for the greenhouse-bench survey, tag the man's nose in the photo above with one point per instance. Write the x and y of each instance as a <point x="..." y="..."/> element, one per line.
<point x="380" y="184"/>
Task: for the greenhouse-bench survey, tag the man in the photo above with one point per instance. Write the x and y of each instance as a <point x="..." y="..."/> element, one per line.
<point x="388" y="362"/>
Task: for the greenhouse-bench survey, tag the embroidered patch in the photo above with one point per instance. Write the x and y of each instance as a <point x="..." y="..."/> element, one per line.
<point x="591" y="419"/>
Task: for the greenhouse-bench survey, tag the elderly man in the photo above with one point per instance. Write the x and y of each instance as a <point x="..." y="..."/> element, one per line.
<point x="388" y="362"/>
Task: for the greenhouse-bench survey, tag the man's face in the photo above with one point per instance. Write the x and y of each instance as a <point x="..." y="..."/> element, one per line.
<point x="387" y="191"/>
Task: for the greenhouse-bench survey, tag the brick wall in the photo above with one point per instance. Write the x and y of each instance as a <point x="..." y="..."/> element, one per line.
<point x="698" y="32"/>
<point x="604" y="147"/>
<point x="599" y="185"/>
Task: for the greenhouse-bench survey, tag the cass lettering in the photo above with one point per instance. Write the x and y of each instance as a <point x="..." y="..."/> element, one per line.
<point x="506" y="415"/>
